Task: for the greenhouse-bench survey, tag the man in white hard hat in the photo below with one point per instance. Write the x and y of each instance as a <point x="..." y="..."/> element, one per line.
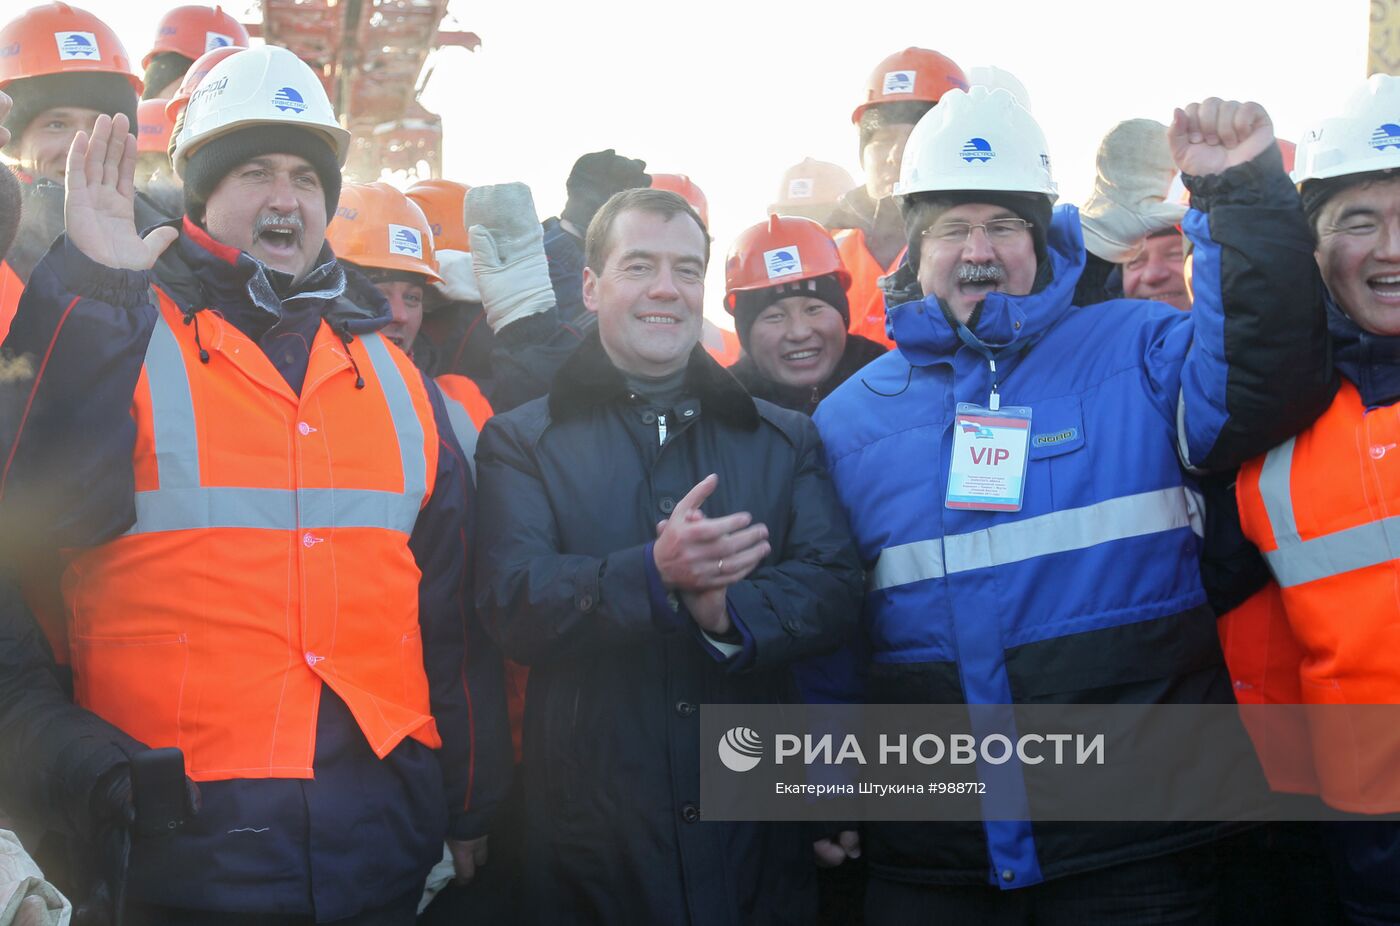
<point x="1319" y="507"/>
<point x="265" y="515"/>
<point x="1064" y="570"/>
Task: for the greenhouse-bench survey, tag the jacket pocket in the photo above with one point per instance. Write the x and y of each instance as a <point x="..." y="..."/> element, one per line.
<point x="1055" y="447"/>
<point x="135" y="683"/>
<point x="415" y="676"/>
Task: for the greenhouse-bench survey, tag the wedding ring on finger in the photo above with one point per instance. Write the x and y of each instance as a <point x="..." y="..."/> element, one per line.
<point x="719" y="567"/>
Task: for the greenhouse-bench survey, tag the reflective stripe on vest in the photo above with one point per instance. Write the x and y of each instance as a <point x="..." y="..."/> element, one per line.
<point x="1298" y="561"/>
<point x="1057" y="532"/>
<point x="182" y="503"/>
<point x="464" y="429"/>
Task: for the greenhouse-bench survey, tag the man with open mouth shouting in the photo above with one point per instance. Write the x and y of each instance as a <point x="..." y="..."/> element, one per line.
<point x="263" y="514"/>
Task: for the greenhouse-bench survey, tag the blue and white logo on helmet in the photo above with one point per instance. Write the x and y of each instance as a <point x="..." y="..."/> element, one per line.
<point x="77" y="46"/>
<point x="405" y="240"/>
<point x="899" y="82"/>
<point x="289" y="100"/>
<point x="782" y="262"/>
<point x="977" y="149"/>
<point x="213" y="40"/>
<point x="1386" y="135"/>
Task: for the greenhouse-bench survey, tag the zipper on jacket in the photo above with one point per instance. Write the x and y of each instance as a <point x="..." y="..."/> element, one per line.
<point x="994" y="400"/>
<point x="660" y="429"/>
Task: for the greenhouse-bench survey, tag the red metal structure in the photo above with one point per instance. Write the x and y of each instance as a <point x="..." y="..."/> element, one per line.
<point x="371" y="56"/>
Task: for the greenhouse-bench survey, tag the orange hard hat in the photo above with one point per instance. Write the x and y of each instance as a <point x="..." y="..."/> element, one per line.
<point x="811" y="184"/>
<point x="56" y="38"/>
<point x="686" y="189"/>
<point x="1290" y="153"/>
<point x="193" y="30"/>
<point x="915" y="75"/>
<point x="442" y="202"/>
<point x="153" y="127"/>
<point x="784" y="249"/>
<point x="377" y="226"/>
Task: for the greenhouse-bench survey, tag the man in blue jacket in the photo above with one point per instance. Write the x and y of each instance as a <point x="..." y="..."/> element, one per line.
<point x="1019" y="479"/>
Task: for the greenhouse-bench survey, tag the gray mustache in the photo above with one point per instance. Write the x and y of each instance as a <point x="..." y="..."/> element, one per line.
<point x="292" y="220"/>
<point x="981" y="273"/>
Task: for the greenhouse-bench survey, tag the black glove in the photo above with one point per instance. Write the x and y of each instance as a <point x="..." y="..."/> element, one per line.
<point x="113" y="816"/>
<point x="594" y="180"/>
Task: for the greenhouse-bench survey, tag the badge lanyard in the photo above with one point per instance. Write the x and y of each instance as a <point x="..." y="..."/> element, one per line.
<point x="987" y="470"/>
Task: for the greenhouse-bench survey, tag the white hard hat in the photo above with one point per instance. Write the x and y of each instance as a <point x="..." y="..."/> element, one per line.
<point x="268" y="85"/>
<point x="980" y="139"/>
<point x="995" y="78"/>
<point x="1364" y="138"/>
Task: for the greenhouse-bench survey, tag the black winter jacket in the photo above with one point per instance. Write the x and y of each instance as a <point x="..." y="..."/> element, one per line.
<point x="572" y="486"/>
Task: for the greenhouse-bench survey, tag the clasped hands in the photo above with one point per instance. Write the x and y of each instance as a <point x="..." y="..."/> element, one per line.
<point x="699" y="557"/>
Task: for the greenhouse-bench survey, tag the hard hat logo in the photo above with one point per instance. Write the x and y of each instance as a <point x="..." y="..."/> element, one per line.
<point x="781" y="262"/>
<point x="81" y="46"/>
<point x="900" y="81"/>
<point x="800" y="188"/>
<point x="405" y="240"/>
<point x="978" y="149"/>
<point x="288" y="100"/>
<point x="213" y="40"/>
<point x="1386" y="135"/>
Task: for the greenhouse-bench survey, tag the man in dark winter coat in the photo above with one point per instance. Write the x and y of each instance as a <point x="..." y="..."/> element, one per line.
<point x="632" y="605"/>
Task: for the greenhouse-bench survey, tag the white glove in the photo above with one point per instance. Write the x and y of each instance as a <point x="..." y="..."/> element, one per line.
<point x="26" y="899"/>
<point x="508" y="246"/>
<point x="458" y="279"/>
<point x="1135" y="170"/>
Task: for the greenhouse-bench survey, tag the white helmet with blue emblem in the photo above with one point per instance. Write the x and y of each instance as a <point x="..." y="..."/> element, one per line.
<point x="268" y="85"/>
<point x="1364" y="138"/>
<point x="979" y="139"/>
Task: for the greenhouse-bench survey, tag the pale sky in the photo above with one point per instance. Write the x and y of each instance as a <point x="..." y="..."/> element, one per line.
<point x="732" y="92"/>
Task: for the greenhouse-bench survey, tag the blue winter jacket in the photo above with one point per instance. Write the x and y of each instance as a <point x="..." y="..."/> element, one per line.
<point x="1091" y="593"/>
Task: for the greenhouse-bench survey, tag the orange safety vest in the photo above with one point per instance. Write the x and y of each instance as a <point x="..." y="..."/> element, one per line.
<point x="1324" y="509"/>
<point x="721" y="344"/>
<point x="11" y="288"/>
<point x="269" y="555"/>
<point x="864" y="295"/>
<point x="468" y="411"/>
<point x="1263" y="658"/>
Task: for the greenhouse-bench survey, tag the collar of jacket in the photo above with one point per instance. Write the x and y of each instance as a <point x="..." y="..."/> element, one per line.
<point x="1370" y="361"/>
<point x="1006" y="324"/>
<point x="589" y="379"/>
<point x="200" y="272"/>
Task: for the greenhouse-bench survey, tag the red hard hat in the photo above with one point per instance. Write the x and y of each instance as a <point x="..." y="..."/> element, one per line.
<point x="915" y="75"/>
<point x="686" y="189"/>
<point x="153" y="127"/>
<point x="56" y="38"/>
<point x="193" y="30"/>
<point x="784" y="249"/>
<point x="442" y="202"/>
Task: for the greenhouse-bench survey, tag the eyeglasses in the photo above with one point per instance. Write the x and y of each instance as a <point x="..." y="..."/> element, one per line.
<point x="997" y="230"/>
